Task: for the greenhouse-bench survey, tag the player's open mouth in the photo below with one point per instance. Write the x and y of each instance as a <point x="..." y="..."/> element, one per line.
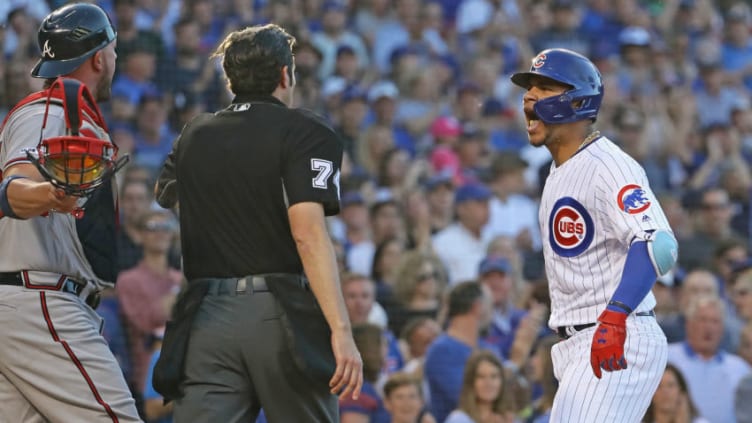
<point x="532" y="120"/>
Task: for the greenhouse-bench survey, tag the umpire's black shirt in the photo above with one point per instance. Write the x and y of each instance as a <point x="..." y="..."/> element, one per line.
<point x="237" y="171"/>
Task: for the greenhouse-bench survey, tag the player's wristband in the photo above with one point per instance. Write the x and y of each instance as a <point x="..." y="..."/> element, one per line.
<point x="5" y="209"/>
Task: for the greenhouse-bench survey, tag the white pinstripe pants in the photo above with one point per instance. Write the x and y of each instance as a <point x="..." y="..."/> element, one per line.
<point x="618" y="397"/>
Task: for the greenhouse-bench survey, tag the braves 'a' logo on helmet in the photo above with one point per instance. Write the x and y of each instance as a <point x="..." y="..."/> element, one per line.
<point x="633" y="199"/>
<point x="571" y="228"/>
<point x="539" y="61"/>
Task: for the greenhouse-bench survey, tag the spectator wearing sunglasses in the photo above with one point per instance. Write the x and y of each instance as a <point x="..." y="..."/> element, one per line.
<point x="147" y="290"/>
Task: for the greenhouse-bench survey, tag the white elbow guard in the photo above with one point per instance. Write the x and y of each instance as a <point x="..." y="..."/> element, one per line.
<point x="663" y="250"/>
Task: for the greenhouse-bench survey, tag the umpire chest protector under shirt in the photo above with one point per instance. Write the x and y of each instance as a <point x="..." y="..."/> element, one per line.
<point x="238" y="170"/>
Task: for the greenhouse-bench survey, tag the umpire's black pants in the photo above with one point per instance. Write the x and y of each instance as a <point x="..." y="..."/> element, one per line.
<point x="244" y="354"/>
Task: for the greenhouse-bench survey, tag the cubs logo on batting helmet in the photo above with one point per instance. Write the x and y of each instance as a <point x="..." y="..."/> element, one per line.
<point x="570" y="227"/>
<point x="69" y="36"/>
<point x="581" y="101"/>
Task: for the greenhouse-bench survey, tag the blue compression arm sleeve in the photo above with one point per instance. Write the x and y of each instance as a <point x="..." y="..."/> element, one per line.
<point x="636" y="281"/>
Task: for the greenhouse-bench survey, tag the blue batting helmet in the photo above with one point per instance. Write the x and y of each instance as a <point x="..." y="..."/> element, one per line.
<point x="581" y="101"/>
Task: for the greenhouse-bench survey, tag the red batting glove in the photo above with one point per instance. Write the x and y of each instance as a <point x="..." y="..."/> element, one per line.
<point x="607" y="351"/>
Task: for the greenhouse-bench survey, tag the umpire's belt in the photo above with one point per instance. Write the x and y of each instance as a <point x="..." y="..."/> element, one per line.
<point x="249" y="284"/>
<point x="567" y="332"/>
<point x="64" y="283"/>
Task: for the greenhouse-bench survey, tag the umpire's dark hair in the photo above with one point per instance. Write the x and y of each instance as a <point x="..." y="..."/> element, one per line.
<point x="462" y="298"/>
<point x="253" y="57"/>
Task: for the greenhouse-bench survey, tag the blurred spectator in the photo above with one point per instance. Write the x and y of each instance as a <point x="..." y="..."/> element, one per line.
<point x="185" y="63"/>
<point x="737" y="49"/>
<point x="496" y="274"/>
<point x="740" y="295"/>
<point x="712" y="226"/>
<point x="715" y="100"/>
<point x="462" y="245"/>
<point x="712" y="375"/>
<point x="386" y="257"/>
<point x="542" y="374"/>
<point x="360" y="299"/>
<point x="147" y="291"/>
<point x="346" y="65"/>
<point x="672" y="402"/>
<point x="20" y="36"/>
<point x="418" y="334"/>
<point x="512" y="212"/>
<point x="135" y="199"/>
<point x="137" y="71"/>
<point x="697" y="283"/>
<point x="440" y="196"/>
<point x="393" y="33"/>
<point x="468" y="313"/>
<point x="484" y="396"/>
<point x="372" y="145"/>
<point x="369" y="406"/>
<point x="385" y="223"/>
<point x="153" y="136"/>
<point x="404" y="400"/>
<point x="132" y="38"/>
<point x="742" y="404"/>
<point x="445" y="131"/>
<point x="352" y="113"/>
<point x="334" y="34"/>
<point x="417" y="219"/>
<point x="155" y="410"/>
<point x="420" y="281"/>
<point x="564" y="30"/>
<point x="635" y="73"/>
<point x="473" y="151"/>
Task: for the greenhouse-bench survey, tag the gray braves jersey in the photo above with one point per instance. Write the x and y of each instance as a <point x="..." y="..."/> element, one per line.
<point x="592" y="208"/>
<point x="42" y="243"/>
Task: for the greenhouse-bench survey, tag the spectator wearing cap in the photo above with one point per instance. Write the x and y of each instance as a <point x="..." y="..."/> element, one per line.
<point x="335" y="34"/>
<point x="440" y="196"/>
<point x="355" y="218"/>
<point x="462" y="245"/>
<point x="496" y="273"/>
<point x="346" y="65"/>
<point x="564" y="31"/>
<point x="382" y="97"/>
<point x="446" y="131"/>
<point x="512" y="212"/>
<point x="352" y="113"/>
<point x="635" y="73"/>
<point x="393" y="33"/>
<point x="736" y="52"/>
<point x="468" y="103"/>
<point x="473" y="151"/>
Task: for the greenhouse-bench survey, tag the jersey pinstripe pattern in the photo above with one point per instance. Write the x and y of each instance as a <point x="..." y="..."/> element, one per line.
<point x="592" y="208"/>
<point x="582" y="284"/>
<point x="618" y="397"/>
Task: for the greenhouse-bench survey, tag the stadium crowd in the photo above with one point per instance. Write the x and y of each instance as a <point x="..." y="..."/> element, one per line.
<point x="438" y="238"/>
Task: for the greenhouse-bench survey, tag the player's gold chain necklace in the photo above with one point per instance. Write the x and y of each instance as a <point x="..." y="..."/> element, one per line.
<point x="593" y="135"/>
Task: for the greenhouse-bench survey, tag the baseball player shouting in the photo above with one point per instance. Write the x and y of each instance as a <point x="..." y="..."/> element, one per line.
<point x="54" y="363"/>
<point x="606" y="240"/>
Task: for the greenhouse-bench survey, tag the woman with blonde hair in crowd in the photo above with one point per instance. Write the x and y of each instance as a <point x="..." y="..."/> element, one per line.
<point x="483" y="396"/>
<point x="671" y="402"/>
<point x="420" y="280"/>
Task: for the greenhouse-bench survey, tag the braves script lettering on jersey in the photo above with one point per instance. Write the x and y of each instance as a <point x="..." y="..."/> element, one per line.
<point x="592" y="207"/>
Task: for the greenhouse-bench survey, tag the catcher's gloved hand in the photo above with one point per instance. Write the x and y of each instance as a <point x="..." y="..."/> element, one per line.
<point x="607" y="351"/>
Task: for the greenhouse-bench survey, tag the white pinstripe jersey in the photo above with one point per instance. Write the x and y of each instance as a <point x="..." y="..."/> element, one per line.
<point x="43" y="243"/>
<point x="593" y="206"/>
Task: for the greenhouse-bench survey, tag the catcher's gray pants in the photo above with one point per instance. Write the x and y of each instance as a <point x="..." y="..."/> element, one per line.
<point x="239" y="360"/>
<point x="54" y="363"/>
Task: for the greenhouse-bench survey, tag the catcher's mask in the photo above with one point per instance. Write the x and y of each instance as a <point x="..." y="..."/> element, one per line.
<point x="75" y="163"/>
